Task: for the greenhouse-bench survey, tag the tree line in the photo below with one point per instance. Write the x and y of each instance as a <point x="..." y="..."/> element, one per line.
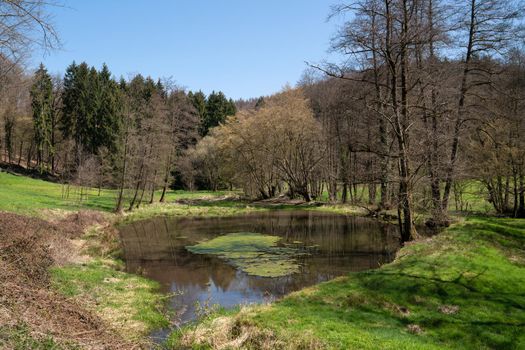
<point x="91" y="130"/>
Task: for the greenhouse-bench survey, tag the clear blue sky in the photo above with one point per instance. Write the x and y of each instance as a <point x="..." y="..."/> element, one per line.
<point x="245" y="48"/>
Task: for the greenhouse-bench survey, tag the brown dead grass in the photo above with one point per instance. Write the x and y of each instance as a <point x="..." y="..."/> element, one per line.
<point x="28" y="247"/>
<point x="237" y="332"/>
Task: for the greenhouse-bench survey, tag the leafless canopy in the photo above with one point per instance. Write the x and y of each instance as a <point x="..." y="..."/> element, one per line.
<point x="26" y="25"/>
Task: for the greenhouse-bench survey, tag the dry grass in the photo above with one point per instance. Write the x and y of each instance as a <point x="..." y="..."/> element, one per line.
<point x="28" y="248"/>
<point x="239" y="332"/>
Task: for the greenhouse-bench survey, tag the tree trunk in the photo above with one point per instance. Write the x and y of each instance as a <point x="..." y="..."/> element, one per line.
<point x="120" y="198"/>
<point x="371" y="193"/>
<point x="166" y="180"/>
<point x="521" y="208"/>
<point x="461" y="108"/>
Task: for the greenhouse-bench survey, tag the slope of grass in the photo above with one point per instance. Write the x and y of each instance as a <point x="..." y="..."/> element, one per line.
<point x="25" y="195"/>
<point x="462" y="289"/>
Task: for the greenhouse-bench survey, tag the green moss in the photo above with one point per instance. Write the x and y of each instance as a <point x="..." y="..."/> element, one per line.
<point x="129" y="302"/>
<point x="462" y="289"/>
<point x="252" y="253"/>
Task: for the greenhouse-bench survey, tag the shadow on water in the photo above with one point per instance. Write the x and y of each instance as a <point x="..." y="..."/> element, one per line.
<point x="156" y="248"/>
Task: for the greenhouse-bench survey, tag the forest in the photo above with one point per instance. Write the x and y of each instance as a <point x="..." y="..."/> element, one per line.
<point x="400" y="119"/>
<point x="420" y="125"/>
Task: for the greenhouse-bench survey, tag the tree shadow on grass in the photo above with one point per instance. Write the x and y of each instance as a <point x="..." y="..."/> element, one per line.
<point x="488" y="316"/>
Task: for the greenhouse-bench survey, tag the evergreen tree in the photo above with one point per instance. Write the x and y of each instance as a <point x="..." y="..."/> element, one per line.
<point x="93" y="97"/>
<point x="218" y="107"/>
<point x="41" y="103"/>
<point x="259" y="104"/>
<point x="198" y="99"/>
<point x="76" y="110"/>
<point x="107" y="121"/>
<point x="91" y="109"/>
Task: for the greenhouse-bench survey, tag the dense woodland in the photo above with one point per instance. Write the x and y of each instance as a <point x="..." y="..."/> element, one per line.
<point x="431" y="96"/>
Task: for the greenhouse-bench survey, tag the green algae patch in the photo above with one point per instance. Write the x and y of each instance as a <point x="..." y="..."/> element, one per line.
<point x="253" y="253"/>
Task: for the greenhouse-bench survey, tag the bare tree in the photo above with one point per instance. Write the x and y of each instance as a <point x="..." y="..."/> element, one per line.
<point x="24" y="26"/>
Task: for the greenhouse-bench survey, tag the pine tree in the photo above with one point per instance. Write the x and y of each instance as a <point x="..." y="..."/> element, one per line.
<point x="92" y="99"/>
<point x="259" y="104"/>
<point x="41" y="103"/>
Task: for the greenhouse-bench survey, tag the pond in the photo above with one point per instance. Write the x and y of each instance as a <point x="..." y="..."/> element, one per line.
<point x="307" y="247"/>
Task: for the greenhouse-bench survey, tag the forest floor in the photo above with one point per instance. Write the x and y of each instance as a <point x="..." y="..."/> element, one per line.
<point x="461" y="289"/>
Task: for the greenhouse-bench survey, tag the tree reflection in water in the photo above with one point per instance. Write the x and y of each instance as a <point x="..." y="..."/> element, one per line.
<point x="339" y="244"/>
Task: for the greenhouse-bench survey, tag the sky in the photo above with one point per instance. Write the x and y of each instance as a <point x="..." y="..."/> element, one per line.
<point x="245" y="48"/>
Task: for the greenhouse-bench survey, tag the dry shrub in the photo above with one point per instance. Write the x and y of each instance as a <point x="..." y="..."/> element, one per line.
<point x="74" y="224"/>
<point x="25" y="295"/>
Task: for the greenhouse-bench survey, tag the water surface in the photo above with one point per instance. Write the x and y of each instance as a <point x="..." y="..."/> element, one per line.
<point x="157" y="249"/>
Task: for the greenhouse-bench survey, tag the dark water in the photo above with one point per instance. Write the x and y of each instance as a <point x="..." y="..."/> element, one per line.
<point x="156" y="248"/>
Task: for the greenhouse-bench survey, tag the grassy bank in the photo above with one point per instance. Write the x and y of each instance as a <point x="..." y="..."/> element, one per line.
<point x="464" y="288"/>
<point x="83" y="269"/>
<point x="127" y="302"/>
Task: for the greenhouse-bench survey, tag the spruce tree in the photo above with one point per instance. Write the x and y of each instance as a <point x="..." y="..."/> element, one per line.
<point x="41" y="103"/>
<point x="77" y="110"/>
<point x="198" y="100"/>
<point x="217" y="109"/>
<point x="109" y="109"/>
<point x="91" y="109"/>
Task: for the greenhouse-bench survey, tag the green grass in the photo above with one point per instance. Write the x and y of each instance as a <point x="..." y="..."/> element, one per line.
<point x="474" y="196"/>
<point x="30" y="196"/>
<point x="174" y="209"/>
<point x="462" y="289"/>
<point x="25" y="195"/>
<point x="253" y="253"/>
<point x="128" y="302"/>
<point x="344" y="209"/>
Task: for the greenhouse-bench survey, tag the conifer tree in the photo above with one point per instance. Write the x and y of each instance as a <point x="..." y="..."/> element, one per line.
<point x="91" y="109"/>
<point x="107" y="116"/>
<point x="41" y="103"/>
<point x="218" y="107"/>
<point x="76" y="109"/>
<point x="198" y="99"/>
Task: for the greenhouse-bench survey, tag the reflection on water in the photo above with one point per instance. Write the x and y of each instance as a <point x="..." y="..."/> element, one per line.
<point x="156" y="247"/>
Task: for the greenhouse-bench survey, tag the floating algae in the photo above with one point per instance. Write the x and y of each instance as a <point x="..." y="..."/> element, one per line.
<point x="253" y="253"/>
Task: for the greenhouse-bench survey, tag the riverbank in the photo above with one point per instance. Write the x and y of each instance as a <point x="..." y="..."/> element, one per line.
<point x="464" y="288"/>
